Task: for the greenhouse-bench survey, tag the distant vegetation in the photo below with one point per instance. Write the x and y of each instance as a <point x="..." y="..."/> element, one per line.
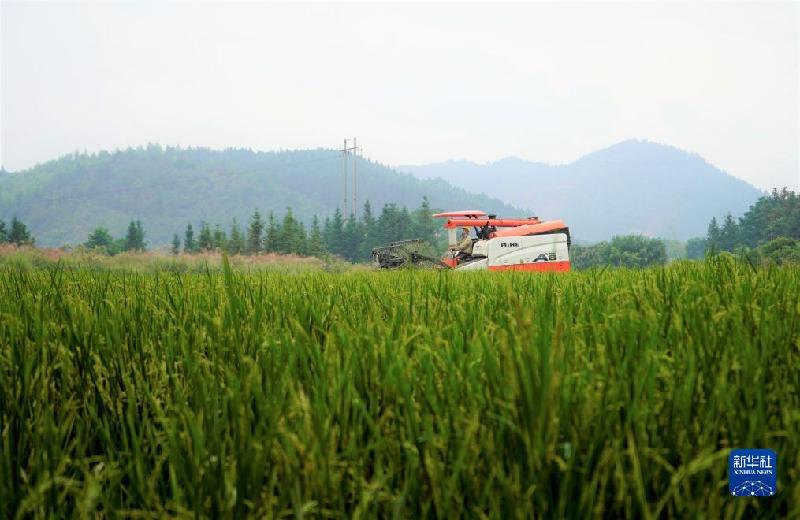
<point x="100" y="239"/>
<point x="768" y="231"/>
<point x="622" y="251"/>
<point x="351" y="239"/>
<point x="133" y="200"/>
<point x="30" y="258"/>
<point x="165" y="188"/>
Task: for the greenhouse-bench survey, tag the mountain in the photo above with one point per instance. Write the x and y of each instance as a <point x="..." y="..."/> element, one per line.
<point x="63" y="200"/>
<point x="631" y="187"/>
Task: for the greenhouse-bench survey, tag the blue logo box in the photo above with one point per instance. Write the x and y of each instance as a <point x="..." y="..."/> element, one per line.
<point x="753" y="473"/>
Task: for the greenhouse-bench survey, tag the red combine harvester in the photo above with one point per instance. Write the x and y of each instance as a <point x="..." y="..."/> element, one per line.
<point x="488" y="242"/>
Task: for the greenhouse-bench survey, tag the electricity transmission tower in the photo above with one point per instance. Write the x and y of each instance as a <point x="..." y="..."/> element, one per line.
<point x="345" y="171"/>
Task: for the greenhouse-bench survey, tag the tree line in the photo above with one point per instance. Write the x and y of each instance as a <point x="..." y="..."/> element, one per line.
<point x="102" y="240"/>
<point x="770" y="229"/>
<point x="351" y="238"/>
<point x="16" y="233"/>
<point x="620" y="251"/>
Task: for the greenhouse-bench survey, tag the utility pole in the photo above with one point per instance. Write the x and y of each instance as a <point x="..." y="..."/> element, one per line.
<point x="344" y="171"/>
<point x="355" y="178"/>
<point x="345" y="151"/>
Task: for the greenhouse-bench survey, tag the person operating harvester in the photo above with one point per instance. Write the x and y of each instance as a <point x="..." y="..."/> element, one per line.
<point x="464" y="245"/>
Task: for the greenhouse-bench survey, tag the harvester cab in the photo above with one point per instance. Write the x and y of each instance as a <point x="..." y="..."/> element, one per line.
<point x="521" y="244"/>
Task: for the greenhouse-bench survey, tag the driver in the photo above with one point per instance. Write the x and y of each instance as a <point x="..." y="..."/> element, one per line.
<point x="464" y="246"/>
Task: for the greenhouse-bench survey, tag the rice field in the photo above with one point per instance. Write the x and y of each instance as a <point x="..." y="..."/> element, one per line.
<point x="415" y="394"/>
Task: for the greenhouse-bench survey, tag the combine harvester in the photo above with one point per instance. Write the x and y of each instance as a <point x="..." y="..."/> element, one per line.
<point x="501" y="245"/>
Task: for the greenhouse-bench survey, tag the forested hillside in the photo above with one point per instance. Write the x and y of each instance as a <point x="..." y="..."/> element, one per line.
<point x="633" y="187"/>
<point x="63" y="200"/>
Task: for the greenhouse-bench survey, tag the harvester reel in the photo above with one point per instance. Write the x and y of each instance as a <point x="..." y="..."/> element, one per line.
<point x="404" y="253"/>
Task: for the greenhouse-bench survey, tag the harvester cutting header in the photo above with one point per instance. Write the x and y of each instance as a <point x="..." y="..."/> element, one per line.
<point x="498" y="244"/>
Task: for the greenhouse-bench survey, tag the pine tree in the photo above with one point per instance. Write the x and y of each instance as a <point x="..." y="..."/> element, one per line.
<point x="3" y="232"/>
<point x="334" y="233"/>
<point x="351" y="239"/>
<point x="368" y="238"/>
<point x="130" y="237"/>
<point x="327" y="233"/>
<point x="273" y="234"/>
<point x="404" y="224"/>
<point x="292" y="237"/>
<point x="176" y="245"/>
<point x="236" y="243"/>
<point x="729" y="235"/>
<point x="19" y="233"/>
<point x="712" y="240"/>
<point x="254" y="233"/>
<point x="424" y="225"/>
<point x="394" y="224"/>
<point x="134" y="238"/>
<point x="302" y="240"/>
<point x="205" y="240"/>
<point x="316" y="246"/>
<point x="219" y="240"/>
<point x="189" y="245"/>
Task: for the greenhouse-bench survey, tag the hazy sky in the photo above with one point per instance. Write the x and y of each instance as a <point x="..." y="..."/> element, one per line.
<point x="414" y="82"/>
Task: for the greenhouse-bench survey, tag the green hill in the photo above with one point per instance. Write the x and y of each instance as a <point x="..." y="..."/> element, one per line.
<point x="166" y="188"/>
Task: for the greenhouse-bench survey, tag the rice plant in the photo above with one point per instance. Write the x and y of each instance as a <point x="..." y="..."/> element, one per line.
<point x="227" y="394"/>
